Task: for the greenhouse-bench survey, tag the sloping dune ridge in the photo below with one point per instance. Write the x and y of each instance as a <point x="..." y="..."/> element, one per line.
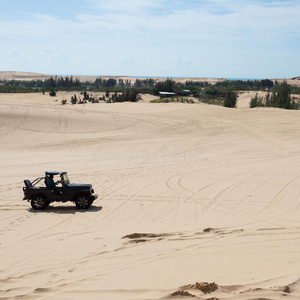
<point x="195" y="201"/>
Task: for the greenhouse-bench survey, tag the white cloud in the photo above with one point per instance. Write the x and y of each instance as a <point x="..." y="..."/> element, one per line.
<point x="168" y="36"/>
<point x="128" y="6"/>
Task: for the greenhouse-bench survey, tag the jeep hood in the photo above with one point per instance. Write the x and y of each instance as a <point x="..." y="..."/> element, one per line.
<point x="78" y="185"/>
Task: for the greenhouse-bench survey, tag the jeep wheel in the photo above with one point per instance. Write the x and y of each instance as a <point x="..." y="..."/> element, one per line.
<point x="83" y="202"/>
<point x="38" y="202"/>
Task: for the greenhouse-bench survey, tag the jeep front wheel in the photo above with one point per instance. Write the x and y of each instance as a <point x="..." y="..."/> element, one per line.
<point x="83" y="202"/>
<point x="38" y="202"/>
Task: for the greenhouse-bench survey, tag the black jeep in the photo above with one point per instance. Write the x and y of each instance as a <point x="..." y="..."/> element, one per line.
<point x="41" y="196"/>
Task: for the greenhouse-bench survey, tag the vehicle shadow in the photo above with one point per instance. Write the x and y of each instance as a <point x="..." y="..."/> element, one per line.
<point x="66" y="210"/>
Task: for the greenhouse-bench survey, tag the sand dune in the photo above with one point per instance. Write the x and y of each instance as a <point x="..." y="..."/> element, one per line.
<point x="188" y="195"/>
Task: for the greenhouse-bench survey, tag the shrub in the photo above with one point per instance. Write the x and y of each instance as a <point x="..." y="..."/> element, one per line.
<point x="258" y="101"/>
<point x="52" y="93"/>
<point x="86" y="96"/>
<point x="168" y="100"/>
<point x="74" y="99"/>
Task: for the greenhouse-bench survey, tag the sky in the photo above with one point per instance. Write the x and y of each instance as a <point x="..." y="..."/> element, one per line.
<point x="179" y="38"/>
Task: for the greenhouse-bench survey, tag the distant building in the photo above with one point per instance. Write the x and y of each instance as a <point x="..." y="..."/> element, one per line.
<point x="184" y="93"/>
<point x="166" y="94"/>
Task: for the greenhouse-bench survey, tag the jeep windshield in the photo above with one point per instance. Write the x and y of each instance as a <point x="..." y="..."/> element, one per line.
<point x="65" y="179"/>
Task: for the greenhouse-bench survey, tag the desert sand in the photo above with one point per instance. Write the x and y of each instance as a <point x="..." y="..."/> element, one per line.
<point x="194" y="200"/>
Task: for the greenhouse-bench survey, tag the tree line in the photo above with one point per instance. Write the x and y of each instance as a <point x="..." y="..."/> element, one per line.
<point x="281" y="98"/>
<point x="149" y="85"/>
<point x="246" y="84"/>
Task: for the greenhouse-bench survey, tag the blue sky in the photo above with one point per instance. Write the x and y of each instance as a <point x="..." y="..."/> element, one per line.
<point x="179" y="38"/>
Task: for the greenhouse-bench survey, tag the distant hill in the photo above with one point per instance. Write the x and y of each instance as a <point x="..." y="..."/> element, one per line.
<point x="14" y="75"/>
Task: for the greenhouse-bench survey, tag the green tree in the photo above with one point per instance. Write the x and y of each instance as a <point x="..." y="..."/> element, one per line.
<point x="230" y="99"/>
<point x="268" y="100"/>
<point x="258" y="100"/>
<point x="111" y="82"/>
<point x="283" y="97"/>
<point x="164" y="86"/>
<point x="52" y="82"/>
<point x="133" y="97"/>
<point x="254" y="101"/>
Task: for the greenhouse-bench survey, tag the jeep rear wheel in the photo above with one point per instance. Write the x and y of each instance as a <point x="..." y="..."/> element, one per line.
<point x="83" y="202"/>
<point x="39" y="202"/>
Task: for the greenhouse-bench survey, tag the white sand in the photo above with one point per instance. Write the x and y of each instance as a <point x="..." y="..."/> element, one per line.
<point x="172" y="170"/>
